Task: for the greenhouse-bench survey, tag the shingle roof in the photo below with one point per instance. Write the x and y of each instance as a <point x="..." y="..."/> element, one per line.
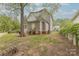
<point x="75" y="16"/>
<point x="38" y="15"/>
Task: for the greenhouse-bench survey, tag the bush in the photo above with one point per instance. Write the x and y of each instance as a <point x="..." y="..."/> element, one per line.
<point x="66" y="28"/>
<point x="8" y="25"/>
<point x="63" y="31"/>
<point x="71" y="29"/>
<point x="75" y="29"/>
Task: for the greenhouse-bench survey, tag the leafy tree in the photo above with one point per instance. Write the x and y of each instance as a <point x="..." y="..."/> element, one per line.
<point x="17" y="8"/>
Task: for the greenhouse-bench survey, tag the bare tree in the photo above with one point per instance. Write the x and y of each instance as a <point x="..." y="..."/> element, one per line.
<point x="53" y="8"/>
<point x="22" y="19"/>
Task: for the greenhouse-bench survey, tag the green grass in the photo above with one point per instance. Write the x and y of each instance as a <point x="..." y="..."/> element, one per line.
<point x="7" y="40"/>
<point x="37" y="39"/>
<point x="34" y="40"/>
<point x="41" y="43"/>
<point x="43" y="38"/>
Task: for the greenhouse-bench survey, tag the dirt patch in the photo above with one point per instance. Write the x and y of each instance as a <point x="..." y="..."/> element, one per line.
<point x="31" y="46"/>
<point x="9" y="51"/>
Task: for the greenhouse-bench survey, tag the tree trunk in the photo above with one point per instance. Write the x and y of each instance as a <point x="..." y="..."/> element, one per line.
<point x="22" y="34"/>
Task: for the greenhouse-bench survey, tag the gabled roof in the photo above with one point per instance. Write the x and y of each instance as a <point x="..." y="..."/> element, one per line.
<point x="75" y="16"/>
<point x="38" y="15"/>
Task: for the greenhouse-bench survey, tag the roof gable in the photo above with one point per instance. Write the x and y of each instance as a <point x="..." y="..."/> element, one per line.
<point x="76" y="15"/>
<point x="35" y="16"/>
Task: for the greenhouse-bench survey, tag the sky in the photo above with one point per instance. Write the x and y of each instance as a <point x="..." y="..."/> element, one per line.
<point x="65" y="11"/>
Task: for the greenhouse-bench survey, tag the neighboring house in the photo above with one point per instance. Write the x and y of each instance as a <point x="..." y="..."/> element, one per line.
<point x="75" y="19"/>
<point x="56" y="28"/>
<point x="39" y="22"/>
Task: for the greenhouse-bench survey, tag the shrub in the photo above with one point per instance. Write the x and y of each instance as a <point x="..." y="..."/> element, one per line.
<point x="66" y="28"/>
<point x="8" y="25"/>
<point x="75" y="29"/>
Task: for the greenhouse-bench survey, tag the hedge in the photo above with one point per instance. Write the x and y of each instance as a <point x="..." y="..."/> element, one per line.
<point x="71" y="29"/>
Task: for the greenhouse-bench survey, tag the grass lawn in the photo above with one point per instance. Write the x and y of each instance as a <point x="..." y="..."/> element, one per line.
<point x="31" y="41"/>
<point x="37" y="39"/>
<point x="7" y="40"/>
<point x="50" y="44"/>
